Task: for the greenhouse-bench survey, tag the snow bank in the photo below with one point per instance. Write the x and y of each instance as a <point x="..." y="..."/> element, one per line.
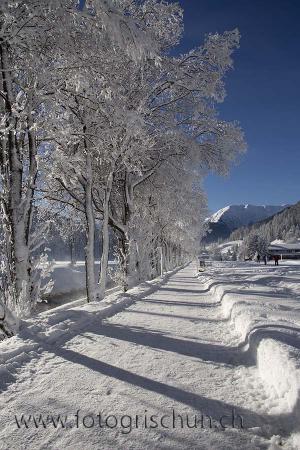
<point x="293" y="442"/>
<point x="263" y="313"/>
<point x="279" y="367"/>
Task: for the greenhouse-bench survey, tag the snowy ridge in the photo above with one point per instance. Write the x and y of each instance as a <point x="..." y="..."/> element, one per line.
<point x="235" y="216"/>
<point x="218" y="215"/>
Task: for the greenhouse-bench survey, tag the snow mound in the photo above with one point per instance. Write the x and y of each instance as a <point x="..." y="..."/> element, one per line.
<point x="279" y="367"/>
<point x="265" y="323"/>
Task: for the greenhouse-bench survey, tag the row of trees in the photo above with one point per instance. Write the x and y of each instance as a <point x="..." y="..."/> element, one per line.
<point x="100" y="124"/>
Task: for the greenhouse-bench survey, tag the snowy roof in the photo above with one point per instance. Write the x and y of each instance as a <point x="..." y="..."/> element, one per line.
<point x="283" y="246"/>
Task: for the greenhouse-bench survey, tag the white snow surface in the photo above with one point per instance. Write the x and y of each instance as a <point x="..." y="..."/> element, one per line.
<point x="69" y="278"/>
<point x="218" y="215"/>
<point x="222" y="343"/>
<point x="69" y="284"/>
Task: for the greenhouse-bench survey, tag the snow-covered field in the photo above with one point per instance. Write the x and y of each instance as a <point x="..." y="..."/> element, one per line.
<point x="222" y="346"/>
<point x="69" y="284"/>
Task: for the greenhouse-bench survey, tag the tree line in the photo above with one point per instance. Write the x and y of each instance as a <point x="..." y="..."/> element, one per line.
<point x="103" y="128"/>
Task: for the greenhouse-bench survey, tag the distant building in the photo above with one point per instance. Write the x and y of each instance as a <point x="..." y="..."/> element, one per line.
<point x="285" y="251"/>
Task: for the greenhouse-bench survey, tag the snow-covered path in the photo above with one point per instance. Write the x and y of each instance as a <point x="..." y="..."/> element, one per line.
<point x="170" y="354"/>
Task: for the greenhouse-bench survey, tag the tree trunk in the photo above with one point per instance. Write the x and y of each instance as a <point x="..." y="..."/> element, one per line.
<point x="138" y="262"/>
<point x="168" y="257"/>
<point x="72" y="250"/>
<point x="105" y="238"/>
<point x="90" y="234"/>
<point x="125" y="262"/>
<point x="17" y="208"/>
<point x="125" y="239"/>
<point x="152" y="263"/>
<point x="8" y="327"/>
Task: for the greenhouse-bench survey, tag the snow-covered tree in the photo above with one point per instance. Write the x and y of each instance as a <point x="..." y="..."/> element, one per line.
<point x="100" y="120"/>
<point x="254" y="245"/>
<point x="216" y="253"/>
<point x="28" y="30"/>
<point x="174" y="100"/>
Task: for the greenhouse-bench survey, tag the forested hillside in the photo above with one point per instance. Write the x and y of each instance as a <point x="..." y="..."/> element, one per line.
<point x="283" y="225"/>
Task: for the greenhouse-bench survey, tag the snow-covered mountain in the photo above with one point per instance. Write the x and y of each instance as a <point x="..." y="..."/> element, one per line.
<point x="231" y="217"/>
<point x="235" y="216"/>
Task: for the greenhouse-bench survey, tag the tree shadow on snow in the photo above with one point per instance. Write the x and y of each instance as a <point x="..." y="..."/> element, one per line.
<point x="212" y="408"/>
<point x="193" y="319"/>
<point x="156" y="340"/>
<point x="180" y="303"/>
<point x="232" y="356"/>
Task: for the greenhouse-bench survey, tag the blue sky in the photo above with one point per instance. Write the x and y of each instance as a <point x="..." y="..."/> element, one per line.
<point x="263" y="94"/>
